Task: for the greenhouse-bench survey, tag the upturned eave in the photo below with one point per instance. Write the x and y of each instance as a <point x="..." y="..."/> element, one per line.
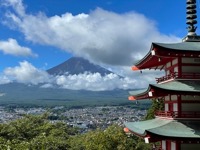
<point x="178" y="87"/>
<point x="161" y="53"/>
<point x="165" y="128"/>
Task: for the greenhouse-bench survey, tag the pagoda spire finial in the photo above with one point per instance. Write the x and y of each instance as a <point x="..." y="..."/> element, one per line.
<point x="191" y="17"/>
<point x="191" y="22"/>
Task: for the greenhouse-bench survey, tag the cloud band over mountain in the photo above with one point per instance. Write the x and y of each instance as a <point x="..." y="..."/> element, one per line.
<point x="103" y="37"/>
<point x="26" y="73"/>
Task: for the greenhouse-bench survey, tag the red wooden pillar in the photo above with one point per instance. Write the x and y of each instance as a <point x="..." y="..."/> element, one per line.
<point x="178" y="145"/>
<point x="168" y="145"/>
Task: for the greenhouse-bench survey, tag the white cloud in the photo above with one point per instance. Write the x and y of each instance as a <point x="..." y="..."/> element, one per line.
<point x="47" y="85"/>
<point x="4" y="79"/>
<point x="101" y="36"/>
<point x="94" y="82"/>
<point x="12" y="47"/>
<point x="26" y="73"/>
<point x="2" y="94"/>
<point x="19" y="7"/>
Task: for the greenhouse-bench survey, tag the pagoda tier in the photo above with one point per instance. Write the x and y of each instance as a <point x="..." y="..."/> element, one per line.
<point x="182" y="87"/>
<point x="172" y="134"/>
<point x="177" y="127"/>
<point x="178" y="60"/>
<point x="166" y="129"/>
<point x="181" y="98"/>
<point x="160" y="54"/>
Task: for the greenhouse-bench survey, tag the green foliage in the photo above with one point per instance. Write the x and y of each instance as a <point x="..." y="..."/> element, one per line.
<point x="35" y="133"/>
<point x="113" y="138"/>
<point x="157" y="105"/>
<point x="38" y="133"/>
<point x="141" y="145"/>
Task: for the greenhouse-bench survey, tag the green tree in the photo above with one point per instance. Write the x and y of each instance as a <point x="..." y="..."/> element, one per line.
<point x="35" y="133"/>
<point x="113" y="138"/>
<point x="157" y="105"/>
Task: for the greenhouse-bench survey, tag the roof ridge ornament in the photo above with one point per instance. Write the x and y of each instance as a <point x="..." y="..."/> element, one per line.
<point x="191" y="21"/>
<point x="191" y="17"/>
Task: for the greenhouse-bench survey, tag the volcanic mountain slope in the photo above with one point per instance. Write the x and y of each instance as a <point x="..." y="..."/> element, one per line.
<point x="28" y="94"/>
<point x="77" y="65"/>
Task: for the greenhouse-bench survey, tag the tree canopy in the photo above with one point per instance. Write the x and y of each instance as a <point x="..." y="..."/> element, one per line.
<point x="157" y="105"/>
<point x="38" y="133"/>
<point x="35" y="132"/>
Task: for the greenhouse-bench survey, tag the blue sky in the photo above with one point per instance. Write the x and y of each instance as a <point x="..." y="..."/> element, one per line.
<point x="40" y="34"/>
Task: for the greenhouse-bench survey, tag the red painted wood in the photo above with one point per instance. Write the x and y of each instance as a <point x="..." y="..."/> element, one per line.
<point x="176" y="114"/>
<point x="168" y="145"/>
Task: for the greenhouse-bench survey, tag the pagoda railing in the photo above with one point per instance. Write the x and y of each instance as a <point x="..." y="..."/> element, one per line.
<point x="175" y="114"/>
<point x="164" y="114"/>
<point x="182" y="76"/>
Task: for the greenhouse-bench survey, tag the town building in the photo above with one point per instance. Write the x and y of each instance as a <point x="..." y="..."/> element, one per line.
<point x="178" y="126"/>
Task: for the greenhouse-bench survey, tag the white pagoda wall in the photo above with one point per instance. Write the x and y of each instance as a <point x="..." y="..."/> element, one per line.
<point x="173" y="99"/>
<point x="166" y="107"/>
<point x="171" y="66"/>
<point x="175" y="107"/>
<point x="171" y="103"/>
<point x="175" y="61"/>
<point x="168" y="145"/>
<point x="173" y="146"/>
<point x="164" y="145"/>
<point x="189" y="65"/>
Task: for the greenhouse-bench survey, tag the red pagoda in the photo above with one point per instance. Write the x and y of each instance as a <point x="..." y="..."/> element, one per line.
<point x="178" y="126"/>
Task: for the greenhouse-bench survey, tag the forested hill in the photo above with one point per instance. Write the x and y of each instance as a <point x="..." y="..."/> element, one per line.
<point x="21" y="94"/>
<point x="37" y="133"/>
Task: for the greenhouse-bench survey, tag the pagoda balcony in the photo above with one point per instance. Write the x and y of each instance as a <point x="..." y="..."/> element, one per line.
<point x="175" y="114"/>
<point x="175" y="75"/>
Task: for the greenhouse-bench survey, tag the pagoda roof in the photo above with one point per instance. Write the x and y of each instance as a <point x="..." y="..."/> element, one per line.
<point x="182" y="46"/>
<point x="166" y="128"/>
<point x="161" y="53"/>
<point x="172" y="87"/>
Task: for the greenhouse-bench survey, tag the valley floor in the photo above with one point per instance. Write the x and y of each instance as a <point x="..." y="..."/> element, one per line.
<point x="86" y="118"/>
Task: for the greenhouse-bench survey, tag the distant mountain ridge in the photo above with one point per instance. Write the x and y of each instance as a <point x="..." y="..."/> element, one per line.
<point x="77" y="65"/>
<point x="32" y="95"/>
<point x="28" y="94"/>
